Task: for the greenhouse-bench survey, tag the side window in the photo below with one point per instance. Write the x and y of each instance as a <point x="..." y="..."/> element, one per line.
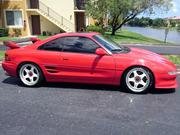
<point x="79" y="45"/>
<point x="55" y="45"/>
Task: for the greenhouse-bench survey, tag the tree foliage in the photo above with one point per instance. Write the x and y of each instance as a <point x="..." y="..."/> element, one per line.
<point x="157" y="22"/>
<point x="141" y="22"/>
<point x="179" y="27"/>
<point x="146" y="21"/>
<point x="98" y="10"/>
<point x="122" y="11"/>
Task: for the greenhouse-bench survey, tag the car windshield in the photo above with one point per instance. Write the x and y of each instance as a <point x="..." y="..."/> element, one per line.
<point x="108" y="43"/>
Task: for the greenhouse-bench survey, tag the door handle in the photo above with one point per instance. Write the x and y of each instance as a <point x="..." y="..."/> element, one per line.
<point x="65" y="59"/>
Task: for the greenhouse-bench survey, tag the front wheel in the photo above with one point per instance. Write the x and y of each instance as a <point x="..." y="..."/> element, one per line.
<point x="138" y="80"/>
<point x="30" y="74"/>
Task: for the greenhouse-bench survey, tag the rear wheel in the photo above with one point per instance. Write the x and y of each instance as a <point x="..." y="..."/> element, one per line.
<point x="138" y="80"/>
<point x="30" y="74"/>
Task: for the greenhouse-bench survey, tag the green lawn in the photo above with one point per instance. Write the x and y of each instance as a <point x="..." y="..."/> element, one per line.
<point x="8" y="38"/>
<point x="126" y="37"/>
<point x="174" y="58"/>
<point x="43" y="37"/>
<point x="123" y="37"/>
<point x="1" y="55"/>
<point x="16" y="38"/>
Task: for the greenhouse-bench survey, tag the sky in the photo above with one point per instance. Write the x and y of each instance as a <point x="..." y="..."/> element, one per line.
<point x="174" y="11"/>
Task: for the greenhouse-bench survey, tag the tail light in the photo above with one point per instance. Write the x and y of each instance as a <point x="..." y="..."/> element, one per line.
<point x="7" y="58"/>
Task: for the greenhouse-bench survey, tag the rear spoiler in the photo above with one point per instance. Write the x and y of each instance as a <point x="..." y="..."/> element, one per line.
<point x="15" y="44"/>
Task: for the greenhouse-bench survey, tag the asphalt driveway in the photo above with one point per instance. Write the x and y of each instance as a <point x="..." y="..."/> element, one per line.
<point x="76" y="109"/>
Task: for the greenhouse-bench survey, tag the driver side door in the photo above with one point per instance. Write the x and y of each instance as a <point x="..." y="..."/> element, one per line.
<point x="81" y="64"/>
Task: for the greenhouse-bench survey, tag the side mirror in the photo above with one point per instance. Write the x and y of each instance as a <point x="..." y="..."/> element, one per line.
<point x="101" y="52"/>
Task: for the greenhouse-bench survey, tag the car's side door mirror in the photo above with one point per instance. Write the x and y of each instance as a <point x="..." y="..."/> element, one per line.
<point x="101" y="52"/>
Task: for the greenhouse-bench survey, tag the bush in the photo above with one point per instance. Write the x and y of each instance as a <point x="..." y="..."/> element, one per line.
<point x="178" y="27"/>
<point x="3" y="32"/>
<point x="44" y="33"/>
<point x="17" y="32"/>
<point x="93" y="28"/>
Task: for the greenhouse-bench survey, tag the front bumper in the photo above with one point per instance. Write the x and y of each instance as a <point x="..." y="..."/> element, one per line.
<point x="166" y="81"/>
<point x="10" y="68"/>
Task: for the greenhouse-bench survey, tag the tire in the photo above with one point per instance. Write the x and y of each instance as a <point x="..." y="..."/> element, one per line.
<point x="30" y="75"/>
<point x="138" y="80"/>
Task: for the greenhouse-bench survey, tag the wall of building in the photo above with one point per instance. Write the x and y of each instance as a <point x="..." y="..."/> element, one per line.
<point x="64" y="7"/>
<point x="15" y="5"/>
<point x="46" y="25"/>
<point x="91" y="21"/>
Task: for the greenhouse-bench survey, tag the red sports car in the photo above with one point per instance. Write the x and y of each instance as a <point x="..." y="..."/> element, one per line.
<point x="88" y="58"/>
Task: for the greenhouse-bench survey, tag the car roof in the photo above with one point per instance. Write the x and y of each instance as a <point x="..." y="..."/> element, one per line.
<point x="88" y="34"/>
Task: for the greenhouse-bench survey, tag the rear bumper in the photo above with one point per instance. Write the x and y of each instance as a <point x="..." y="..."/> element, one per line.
<point x="166" y="81"/>
<point x="10" y="68"/>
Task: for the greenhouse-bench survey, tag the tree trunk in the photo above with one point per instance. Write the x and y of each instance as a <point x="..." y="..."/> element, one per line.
<point x="113" y="31"/>
<point x="103" y="30"/>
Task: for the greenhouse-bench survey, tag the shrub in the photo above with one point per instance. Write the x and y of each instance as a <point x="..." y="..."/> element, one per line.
<point x="17" y="32"/>
<point x="3" y="32"/>
<point x="44" y="33"/>
<point x="93" y="28"/>
<point x="178" y="27"/>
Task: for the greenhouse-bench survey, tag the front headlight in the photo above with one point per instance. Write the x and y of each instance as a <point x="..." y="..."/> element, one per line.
<point x="172" y="73"/>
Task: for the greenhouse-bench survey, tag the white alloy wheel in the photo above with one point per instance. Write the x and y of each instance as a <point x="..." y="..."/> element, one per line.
<point x="138" y="80"/>
<point x="29" y="74"/>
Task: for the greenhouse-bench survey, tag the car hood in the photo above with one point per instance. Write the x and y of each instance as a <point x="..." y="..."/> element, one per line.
<point x="137" y="53"/>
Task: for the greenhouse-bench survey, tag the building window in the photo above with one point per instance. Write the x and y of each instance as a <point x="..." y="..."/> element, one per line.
<point x="80" y="4"/>
<point x="14" y="18"/>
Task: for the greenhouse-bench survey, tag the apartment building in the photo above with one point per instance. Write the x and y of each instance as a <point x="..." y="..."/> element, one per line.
<point x="35" y="17"/>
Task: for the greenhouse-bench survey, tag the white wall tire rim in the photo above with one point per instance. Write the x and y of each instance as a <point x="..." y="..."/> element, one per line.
<point x="29" y="74"/>
<point x="137" y="80"/>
